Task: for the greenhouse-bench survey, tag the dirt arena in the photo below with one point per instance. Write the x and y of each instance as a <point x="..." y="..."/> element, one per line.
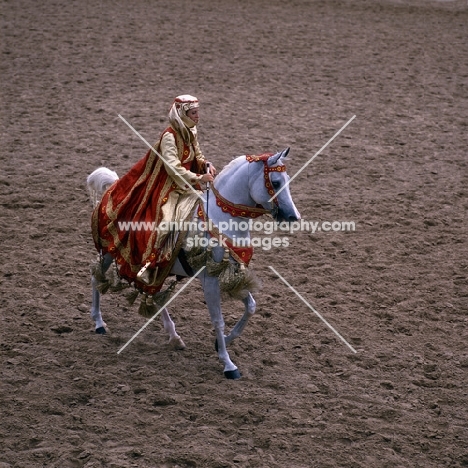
<point x="269" y="74"/>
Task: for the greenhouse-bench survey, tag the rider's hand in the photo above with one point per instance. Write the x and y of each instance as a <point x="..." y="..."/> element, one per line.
<point x="206" y="178"/>
<point x="212" y="170"/>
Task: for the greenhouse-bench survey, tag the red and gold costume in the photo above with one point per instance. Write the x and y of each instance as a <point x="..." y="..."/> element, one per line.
<point x="155" y="190"/>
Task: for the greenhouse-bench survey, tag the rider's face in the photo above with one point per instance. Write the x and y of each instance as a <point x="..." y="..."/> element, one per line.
<point x="193" y="114"/>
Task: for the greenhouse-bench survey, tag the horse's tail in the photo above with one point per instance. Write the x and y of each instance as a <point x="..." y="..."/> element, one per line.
<point x="98" y="182"/>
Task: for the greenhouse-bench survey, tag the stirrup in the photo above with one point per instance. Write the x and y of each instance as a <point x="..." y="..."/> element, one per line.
<point x="147" y="276"/>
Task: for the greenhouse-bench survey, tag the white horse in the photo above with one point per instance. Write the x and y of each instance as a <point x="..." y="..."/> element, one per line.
<point x="244" y="183"/>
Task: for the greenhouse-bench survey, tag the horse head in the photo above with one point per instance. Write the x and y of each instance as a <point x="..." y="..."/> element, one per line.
<point x="274" y="194"/>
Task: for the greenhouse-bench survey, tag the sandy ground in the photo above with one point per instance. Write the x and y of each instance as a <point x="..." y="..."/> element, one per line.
<point x="270" y="74"/>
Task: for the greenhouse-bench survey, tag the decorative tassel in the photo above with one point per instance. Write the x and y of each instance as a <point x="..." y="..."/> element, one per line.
<point x="196" y="257"/>
<point x="162" y="297"/>
<point x="97" y="271"/>
<point x="102" y="284"/>
<point x="252" y="283"/>
<point x="103" y="287"/>
<point x="231" y="279"/>
<point x="109" y="280"/>
<point x="149" y="305"/>
<point x="216" y="268"/>
<point x="132" y="296"/>
<point x="237" y="281"/>
<point x="147" y="308"/>
<point x="115" y="282"/>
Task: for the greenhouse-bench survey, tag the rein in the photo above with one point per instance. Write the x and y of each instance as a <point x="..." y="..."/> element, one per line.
<point x="245" y="211"/>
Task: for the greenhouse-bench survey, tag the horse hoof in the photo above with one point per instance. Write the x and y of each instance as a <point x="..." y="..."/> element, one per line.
<point x="101" y="331"/>
<point x="176" y="343"/>
<point x="232" y="374"/>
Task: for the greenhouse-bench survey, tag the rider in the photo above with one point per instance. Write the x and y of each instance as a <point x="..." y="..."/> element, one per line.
<point x="183" y="160"/>
<point x="181" y="137"/>
<point x="155" y="190"/>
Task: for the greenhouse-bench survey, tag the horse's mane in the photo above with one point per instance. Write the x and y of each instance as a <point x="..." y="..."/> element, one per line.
<point x="230" y="168"/>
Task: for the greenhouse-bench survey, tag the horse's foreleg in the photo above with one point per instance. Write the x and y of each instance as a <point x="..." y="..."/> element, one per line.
<point x="250" y="304"/>
<point x="99" y="324"/>
<point x="175" y="341"/>
<point x="213" y="301"/>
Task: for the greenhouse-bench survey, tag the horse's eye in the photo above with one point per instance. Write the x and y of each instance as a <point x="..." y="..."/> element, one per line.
<point x="276" y="184"/>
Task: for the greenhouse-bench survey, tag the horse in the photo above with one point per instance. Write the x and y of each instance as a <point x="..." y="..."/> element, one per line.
<point x="247" y="187"/>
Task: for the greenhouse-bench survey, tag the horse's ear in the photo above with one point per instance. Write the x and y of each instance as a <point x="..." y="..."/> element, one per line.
<point x="272" y="160"/>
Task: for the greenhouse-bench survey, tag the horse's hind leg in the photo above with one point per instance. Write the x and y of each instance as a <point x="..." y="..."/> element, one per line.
<point x="175" y="341"/>
<point x="99" y="324"/>
<point x="250" y="304"/>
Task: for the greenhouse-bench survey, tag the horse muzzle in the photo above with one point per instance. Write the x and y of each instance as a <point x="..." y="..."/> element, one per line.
<point x="289" y="217"/>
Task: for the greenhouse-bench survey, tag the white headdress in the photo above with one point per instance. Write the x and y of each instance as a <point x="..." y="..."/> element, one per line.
<point x="178" y="116"/>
